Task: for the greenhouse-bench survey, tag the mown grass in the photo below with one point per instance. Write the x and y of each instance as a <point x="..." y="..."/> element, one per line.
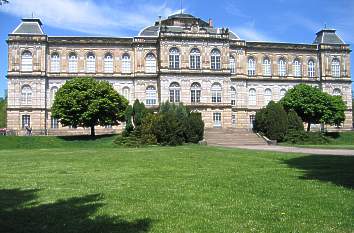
<point x="87" y="187"/>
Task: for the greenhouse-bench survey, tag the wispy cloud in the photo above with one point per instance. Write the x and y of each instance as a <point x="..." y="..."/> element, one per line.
<point x="114" y="18"/>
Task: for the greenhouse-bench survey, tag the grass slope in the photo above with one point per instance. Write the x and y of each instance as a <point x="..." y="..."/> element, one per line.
<point x="85" y="187"/>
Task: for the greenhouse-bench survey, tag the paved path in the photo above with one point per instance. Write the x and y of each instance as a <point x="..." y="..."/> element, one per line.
<point x="286" y="149"/>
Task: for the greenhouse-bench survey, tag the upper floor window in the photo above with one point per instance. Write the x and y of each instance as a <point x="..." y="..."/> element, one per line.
<point x="175" y="92"/>
<point x="267" y="67"/>
<point x="252" y="97"/>
<point x="311" y="68"/>
<point x="174" y="58"/>
<point x="232" y="65"/>
<point x="215" y="59"/>
<point x="251" y="69"/>
<point x="151" y="95"/>
<point x="216" y="93"/>
<point x="194" y="59"/>
<point x="90" y="63"/>
<point x="337" y="92"/>
<point x="72" y="63"/>
<point x="108" y="63"/>
<point x="233" y="96"/>
<point x="53" y="92"/>
<point x="55" y="62"/>
<point x="335" y="68"/>
<point x="26" y="61"/>
<point x="150" y="63"/>
<point x="195" y="92"/>
<point x="282" y="67"/>
<point x="267" y="96"/>
<point x="126" y="93"/>
<point x="282" y="93"/>
<point x="297" y="68"/>
<point x="26" y="95"/>
<point x="126" y="64"/>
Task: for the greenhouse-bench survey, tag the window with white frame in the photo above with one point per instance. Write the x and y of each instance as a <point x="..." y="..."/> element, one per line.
<point x="26" y="121"/>
<point x="26" y="61"/>
<point x="150" y="63"/>
<point x="252" y="97"/>
<point x="54" y="123"/>
<point x="194" y="59"/>
<point x="297" y="68"/>
<point x="311" y="68"/>
<point x="108" y="63"/>
<point x="337" y="92"/>
<point x="233" y="96"/>
<point x="126" y="93"/>
<point x="217" y="119"/>
<point x="175" y="92"/>
<point x="174" y="58"/>
<point x="72" y="63"/>
<point x="196" y="90"/>
<point x="55" y="63"/>
<point x="251" y="69"/>
<point x="26" y="95"/>
<point x="90" y="63"/>
<point x="282" y="67"/>
<point x="267" y="96"/>
<point x="215" y="59"/>
<point x="126" y="64"/>
<point x="335" y="67"/>
<point x="53" y="92"/>
<point x="232" y="65"/>
<point x="216" y="91"/>
<point x="282" y="93"/>
<point x="267" y="67"/>
<point x="151" y="95"/>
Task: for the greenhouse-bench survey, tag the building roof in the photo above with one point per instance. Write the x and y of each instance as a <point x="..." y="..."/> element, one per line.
<point x="328" y="36"/>
<point x="29" y="26"/>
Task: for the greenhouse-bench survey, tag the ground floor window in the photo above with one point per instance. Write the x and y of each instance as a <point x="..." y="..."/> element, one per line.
<point x="26" y="121"/>
<point x="54" y="123"/>
<point x="217" y="119"/>
<point x="252" y="119"/>
<point x="233" y="120"/>
<point x="108" y="126"/>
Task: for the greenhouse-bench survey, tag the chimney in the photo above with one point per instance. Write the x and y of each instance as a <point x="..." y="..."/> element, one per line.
<point x="210" y="22"/>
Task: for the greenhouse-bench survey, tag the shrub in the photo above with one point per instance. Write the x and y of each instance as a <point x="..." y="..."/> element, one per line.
<point x="194" y="128"/>
<point x="302" y="137"/>
<point x="128" y="121"/>
<point x="168" y="129"/>
<point x="294" y="121"/>
<point x="146" y="134"/>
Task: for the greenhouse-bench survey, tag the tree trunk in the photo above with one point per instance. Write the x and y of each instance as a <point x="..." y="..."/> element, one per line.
<point x="92" y="131"/>
<point x="308" y="126"/>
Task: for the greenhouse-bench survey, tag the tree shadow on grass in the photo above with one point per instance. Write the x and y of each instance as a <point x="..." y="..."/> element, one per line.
<point x="338" y="170"/>
<point x="19" y="213"/>
<point x="86" y="137"/>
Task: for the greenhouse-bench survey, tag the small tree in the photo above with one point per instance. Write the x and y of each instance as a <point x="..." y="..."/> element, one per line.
<point x="294" y="121"/>
<point x="86" y="102"/>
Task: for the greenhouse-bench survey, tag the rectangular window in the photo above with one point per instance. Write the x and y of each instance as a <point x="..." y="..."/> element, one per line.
<point x="72" y="66"/>
<point x="195" y="96"/>
<point x="126" y="66"/>
<point x="252" y="119"/>
<point x="216" y="97"/>
<point x="54" y="123"/>
<point x="26" y="121"/>
<point x="108" y="66"/>
<point x="217" y="119"/>
<point x="91" y="66"/>
<point x="233" y="119"/>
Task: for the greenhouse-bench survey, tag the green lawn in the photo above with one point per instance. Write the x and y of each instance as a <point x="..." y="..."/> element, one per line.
<point x="92" y="186"/>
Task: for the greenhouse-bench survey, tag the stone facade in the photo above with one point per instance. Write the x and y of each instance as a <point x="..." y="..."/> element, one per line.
<point x="232" y="78"/>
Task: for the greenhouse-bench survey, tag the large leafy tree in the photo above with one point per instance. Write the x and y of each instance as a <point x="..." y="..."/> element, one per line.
<point x="87" y="102"/>
<point x="314" y="106"/>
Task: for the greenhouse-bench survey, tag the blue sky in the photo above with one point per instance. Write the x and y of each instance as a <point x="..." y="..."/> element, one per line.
<point x="294" y="21"/>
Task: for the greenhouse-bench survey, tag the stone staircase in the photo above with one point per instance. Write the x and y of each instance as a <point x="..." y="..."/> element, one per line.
<point x="232" y="137"/>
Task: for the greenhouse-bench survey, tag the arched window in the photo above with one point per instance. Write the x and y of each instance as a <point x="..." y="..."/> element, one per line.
<point x="282" y="93"/>
<point x="26" y="61"/>
<point x="53" y="92"/>
<point x="267" y="70"/>
<point x="108" y="63"/>
<point x="311" y="68"/>
<point x="175" y="92"/>
<point x="174" y="58"/>
<point x="282" y="67"/>
<point x="72" y="63"/>
<point x="232" y="65"/>
<point x="297" y="68"/>
<point x="194" y="59"/>
<point x="337" y="92"/>
<point x="335" y="68"/>
<point x="126" y="63"/>
<point x="216" y="93"/>
<point x="55" y="63"/>
<point x="150" y="63"/>
<point x="233" y="96"/>
<point x="267" y="96"/>
<point x="195" y="92"/>
<point x="251" y="69"/>
<point x="90" y="63"/>
<point x="126" y="93"/>
<point x="26" y="95"/>
<point x="252" y="97"/>
<point x="151" y="95"/>
<point x="215" y="59"/>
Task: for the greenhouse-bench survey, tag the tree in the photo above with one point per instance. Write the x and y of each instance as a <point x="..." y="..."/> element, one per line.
<point x="294" y="121"/>
<point x="87" y="102"/>
<point x="3" y="105"/>
<point x="3" y="2"/>
<point x="313" y="105"/>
